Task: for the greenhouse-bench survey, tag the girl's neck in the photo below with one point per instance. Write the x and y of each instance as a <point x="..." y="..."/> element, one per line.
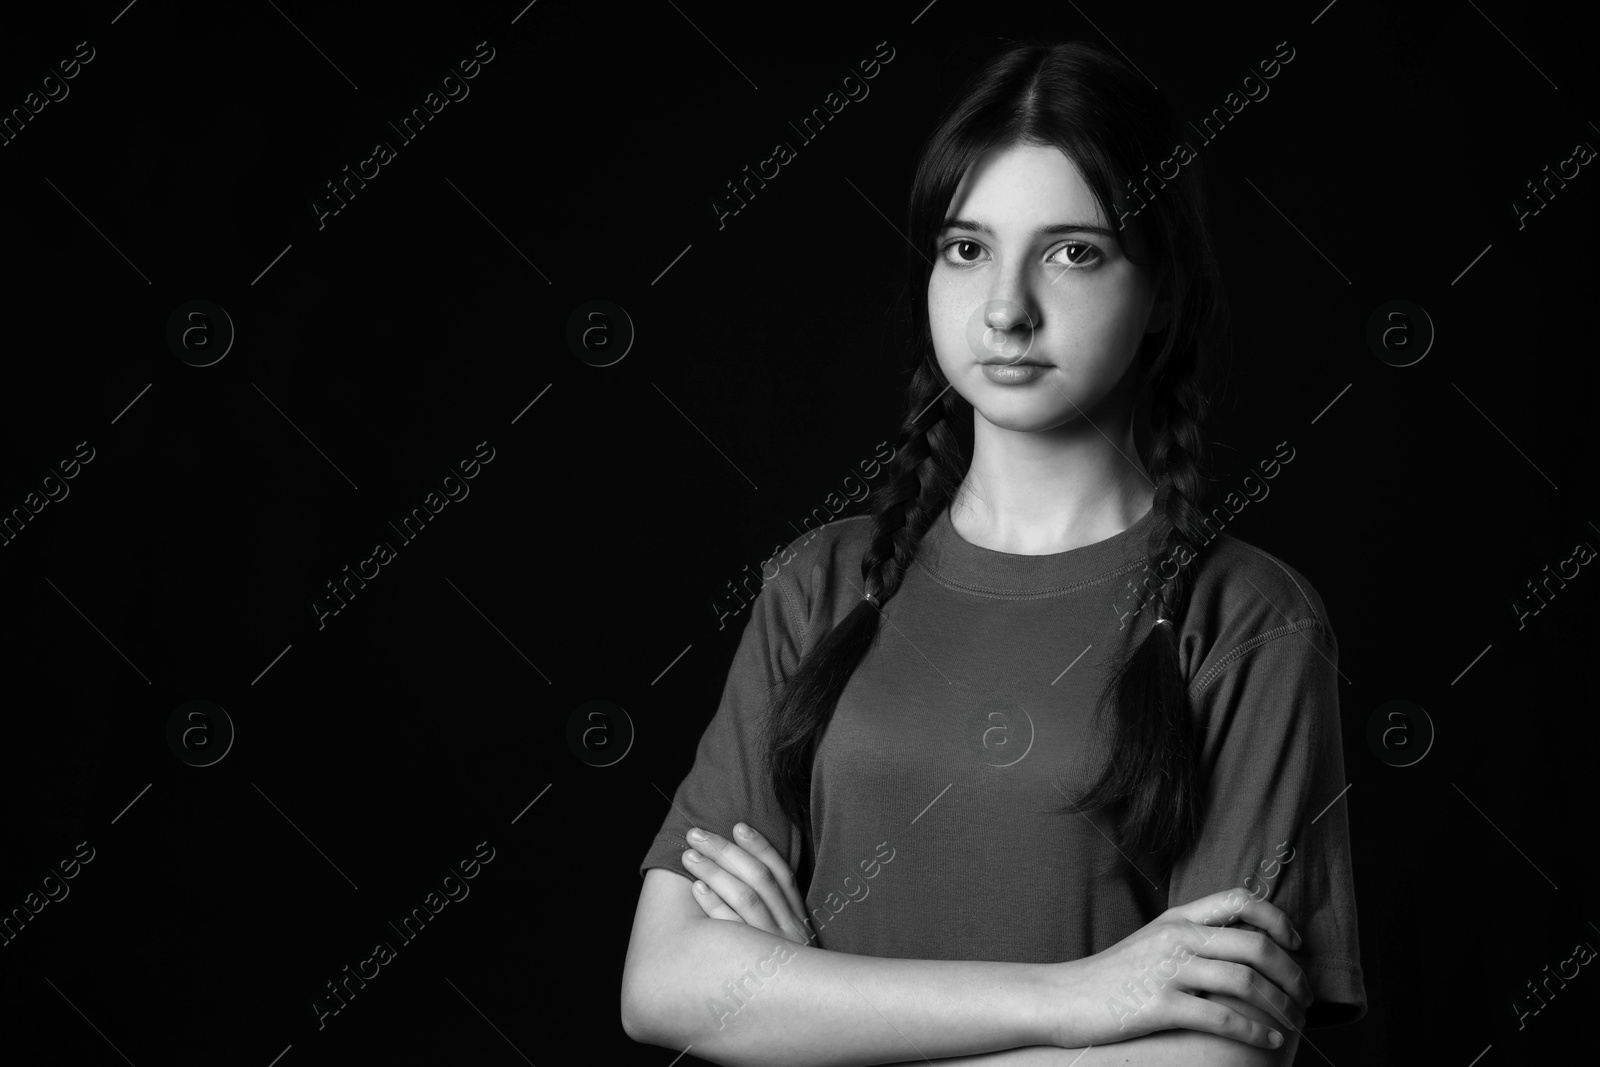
<point x="1034" y="494"/>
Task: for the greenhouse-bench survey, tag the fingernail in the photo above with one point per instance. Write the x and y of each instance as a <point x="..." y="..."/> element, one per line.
<point x="700" y="887"/>
<point x="741" y="829"/>
<point x="691" y="855"/>
<point x="1274" y="1038"/>
<point x="1298" y="940"/>
<point x="697" y="836"/>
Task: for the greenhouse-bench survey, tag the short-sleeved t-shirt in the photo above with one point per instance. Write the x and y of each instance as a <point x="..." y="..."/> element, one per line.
<point x="940" y="807"/>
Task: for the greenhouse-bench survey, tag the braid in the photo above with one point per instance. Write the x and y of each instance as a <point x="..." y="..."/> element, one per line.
<point x="925" y="473"/>
<point x="1177" y="452"/>
<point x="1152" y="779"/>
<point x="924" y="481"/>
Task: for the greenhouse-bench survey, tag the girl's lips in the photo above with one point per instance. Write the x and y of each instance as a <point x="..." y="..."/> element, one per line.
<point x="1014" y="374"/>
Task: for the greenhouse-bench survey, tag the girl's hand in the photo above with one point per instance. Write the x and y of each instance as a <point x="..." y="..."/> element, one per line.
<point x="1227" y="943"/>
<point x="749" y="884"/>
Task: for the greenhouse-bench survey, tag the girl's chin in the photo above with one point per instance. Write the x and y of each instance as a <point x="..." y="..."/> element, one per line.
<point x="1024" y="416"/>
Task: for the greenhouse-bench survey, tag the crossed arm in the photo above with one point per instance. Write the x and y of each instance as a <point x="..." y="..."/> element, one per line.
<point x="1233" y="985"/>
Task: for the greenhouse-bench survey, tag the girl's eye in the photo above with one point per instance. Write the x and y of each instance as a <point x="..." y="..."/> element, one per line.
<point x="966" y="251"/>
<point x="1079" y="256"/>
<point x="1078" y="253"/>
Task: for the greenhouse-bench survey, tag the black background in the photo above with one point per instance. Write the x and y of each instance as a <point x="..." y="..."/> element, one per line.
<point x="427" y="715"/>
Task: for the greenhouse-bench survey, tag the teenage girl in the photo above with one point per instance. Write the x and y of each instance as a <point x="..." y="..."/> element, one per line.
<point x="1032" y="758"/>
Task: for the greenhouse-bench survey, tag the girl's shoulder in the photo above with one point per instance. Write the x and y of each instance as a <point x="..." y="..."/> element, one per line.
<point x="1243" y="593"/>
<point x="819" y="572"/>
<point x="829" y="547"/>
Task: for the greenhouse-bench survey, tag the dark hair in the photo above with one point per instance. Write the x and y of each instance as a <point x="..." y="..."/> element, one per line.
<point x="1107" y="119"/>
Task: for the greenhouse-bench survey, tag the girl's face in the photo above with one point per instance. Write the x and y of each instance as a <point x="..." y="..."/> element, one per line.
<point x="1035" y="310"/>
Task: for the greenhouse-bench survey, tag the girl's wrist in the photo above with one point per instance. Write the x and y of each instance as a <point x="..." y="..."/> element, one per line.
<point x="1061" y="1006"/>
<point x="1051" y="989"/>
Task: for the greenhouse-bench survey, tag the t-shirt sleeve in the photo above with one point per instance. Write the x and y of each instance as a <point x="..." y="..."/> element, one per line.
<point x="1276" y="817"/>
<point x="728" y="782"/>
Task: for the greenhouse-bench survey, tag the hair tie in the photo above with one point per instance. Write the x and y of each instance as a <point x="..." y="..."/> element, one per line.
<point x="871" y="598"/>
<point x="1160" y="621"/>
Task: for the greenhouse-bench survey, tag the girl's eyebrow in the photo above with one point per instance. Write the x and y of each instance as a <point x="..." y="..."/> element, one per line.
<point x="1042" y="231"/>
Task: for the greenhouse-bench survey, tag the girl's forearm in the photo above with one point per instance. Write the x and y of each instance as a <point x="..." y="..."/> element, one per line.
<point x="733" y="994"/>
<point x="1165" y="1048"/>
<point x="1030" y="1056"/>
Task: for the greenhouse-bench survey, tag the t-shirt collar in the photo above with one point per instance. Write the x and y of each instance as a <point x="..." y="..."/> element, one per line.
<point x="956" y="562"/>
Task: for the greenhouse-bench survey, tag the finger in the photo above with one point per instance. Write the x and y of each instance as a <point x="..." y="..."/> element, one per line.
<point x="1293" y="1016"/>
<point x="1211" y="1017"/>
<point x="1254" y="949"/>
<point x="1239" y="980"/>
<point x="1296" y="1004"/>
<point x="747" y="885"/>
<point x="761" y="867"/>
<point x="1272" y="920"/>
<point x="1291" y="1033"/>
<point x="1236" y="905"/>
<point x="714" y="906"/>
<point x="735" y="895"/>
<point x="758" y="846"/>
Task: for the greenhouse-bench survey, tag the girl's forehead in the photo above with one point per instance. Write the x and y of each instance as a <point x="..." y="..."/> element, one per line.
<point x="1017" y="189"/>
<point x="1024" y="183"/>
